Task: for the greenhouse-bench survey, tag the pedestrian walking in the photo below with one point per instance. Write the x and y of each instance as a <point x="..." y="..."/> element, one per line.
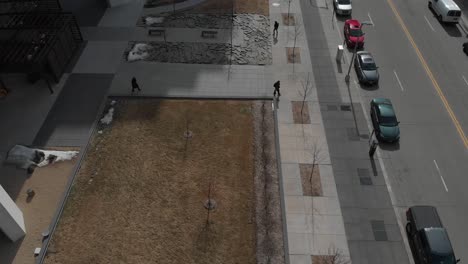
<point x="275" y="29"/>
<point x="135" y="85"/>
<point x="277" y="89"/>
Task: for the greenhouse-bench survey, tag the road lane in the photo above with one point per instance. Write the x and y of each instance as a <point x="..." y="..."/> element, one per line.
<point x="427" y="132"/>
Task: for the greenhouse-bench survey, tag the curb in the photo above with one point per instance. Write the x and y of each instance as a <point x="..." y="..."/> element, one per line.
<point x="280" y="178"/>
<point x="53" y="225"/>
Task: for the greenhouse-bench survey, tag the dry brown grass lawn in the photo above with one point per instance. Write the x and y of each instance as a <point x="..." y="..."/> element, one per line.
<point x="49" y="184"/>
<point x="225" y="6"/>
<point x="138" y="197"/>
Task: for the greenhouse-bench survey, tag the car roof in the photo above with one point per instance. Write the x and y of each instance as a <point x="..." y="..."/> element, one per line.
<point x="386" y="109"/>
<point x="365" y="56"/>
<point x="354" y="23"/>
<point x="385" y="106"/>
<point x="438" y="241"/>
<point x="451" y="5"/>
<point x="425" y="216"/>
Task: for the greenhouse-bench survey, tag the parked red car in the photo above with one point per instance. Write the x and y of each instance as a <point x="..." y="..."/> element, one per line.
<point x="353" y="33"/>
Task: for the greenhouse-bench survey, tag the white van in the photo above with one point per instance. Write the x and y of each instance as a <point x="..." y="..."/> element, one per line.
<point x="445" y="10"/>
<point x="342" y="7"/>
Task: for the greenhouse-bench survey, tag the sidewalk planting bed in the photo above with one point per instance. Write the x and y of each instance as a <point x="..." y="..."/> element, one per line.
<point x="220" y="6"/>
<point x="139" y="195"/>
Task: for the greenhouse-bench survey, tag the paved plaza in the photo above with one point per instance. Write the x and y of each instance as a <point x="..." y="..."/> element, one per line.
<point x="353" y="216"/>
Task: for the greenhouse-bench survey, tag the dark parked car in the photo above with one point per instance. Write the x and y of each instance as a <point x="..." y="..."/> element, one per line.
<point x="428" y="239"/>
<point x="365" y="67"/>
<point x="465" y="48"/>
<point x="384" y="120"/>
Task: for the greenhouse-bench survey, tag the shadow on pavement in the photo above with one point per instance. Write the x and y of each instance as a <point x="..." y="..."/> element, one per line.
<point x="8" y="249"/>
<point x="452" y="30"/>
<point x="339" y="67"/>
<point x="369" y="87"/>
<point x="389" y="146"/>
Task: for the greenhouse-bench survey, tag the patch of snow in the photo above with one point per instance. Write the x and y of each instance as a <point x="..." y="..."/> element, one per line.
<point x="153" y="20"/>
<point x="107" y="119"/>
<point x="60" y="156"/>
<point x="113" y="102"/>
<point x="139" y="52"/>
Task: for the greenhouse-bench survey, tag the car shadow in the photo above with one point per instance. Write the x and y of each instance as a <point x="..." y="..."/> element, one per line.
<point x="452" y="30"/>
<point x="341" y="18"/>
<point x="394" y="146"/>
<point x="368" y="87"/>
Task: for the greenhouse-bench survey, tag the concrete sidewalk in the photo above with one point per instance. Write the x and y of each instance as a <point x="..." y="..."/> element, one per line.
<point x="315" y="225"/>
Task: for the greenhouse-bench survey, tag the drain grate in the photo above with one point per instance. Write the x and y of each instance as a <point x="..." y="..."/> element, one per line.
<point x="364" y="176"/>
<point x="378" y="228"/>
<point x="365" y="180"/>
<point x="345" y="108"/>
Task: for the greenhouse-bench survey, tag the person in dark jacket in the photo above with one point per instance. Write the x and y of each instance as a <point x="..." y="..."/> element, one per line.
<point x="277" y="89"/>
<point x="135" y="85"/>
<point x="275" y="29"/>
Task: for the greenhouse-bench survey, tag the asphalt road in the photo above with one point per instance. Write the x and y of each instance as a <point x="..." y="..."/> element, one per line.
<point x="430" y="164"/>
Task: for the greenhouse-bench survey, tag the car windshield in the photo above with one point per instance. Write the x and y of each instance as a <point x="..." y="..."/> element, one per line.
<point x="388" y="121"/>
<point x="344" y="2"/>
<point x="442" y="259"/>
<point x="369" y="66"/>
<point x="355" y="32"/>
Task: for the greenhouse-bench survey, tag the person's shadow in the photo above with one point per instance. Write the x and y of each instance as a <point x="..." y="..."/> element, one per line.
<point x="275" y="39"/>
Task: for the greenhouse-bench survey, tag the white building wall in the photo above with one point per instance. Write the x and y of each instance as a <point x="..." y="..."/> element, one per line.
<point x="11" y="217"/>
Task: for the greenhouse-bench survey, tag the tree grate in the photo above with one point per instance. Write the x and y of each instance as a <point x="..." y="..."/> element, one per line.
<point x="345" y="108"/>
<point x="378" y="228"/>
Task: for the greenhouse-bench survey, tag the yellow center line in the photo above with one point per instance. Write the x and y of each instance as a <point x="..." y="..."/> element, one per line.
<point x="431" y="76"/>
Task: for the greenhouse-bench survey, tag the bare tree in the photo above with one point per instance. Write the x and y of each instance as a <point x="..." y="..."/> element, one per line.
<point x="335" y="256"/>
<point x="297" y="33"/>
<point x="304" y="92"/>
<point x="187" y="133"/>
<point x="315" y="158"/>
<point x="210" y="204"/>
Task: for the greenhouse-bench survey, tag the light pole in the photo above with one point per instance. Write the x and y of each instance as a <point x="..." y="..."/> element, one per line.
<point x="368" y="23"/>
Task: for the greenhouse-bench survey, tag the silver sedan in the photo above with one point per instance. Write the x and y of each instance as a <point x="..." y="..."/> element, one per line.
<point x="366" y="70"/>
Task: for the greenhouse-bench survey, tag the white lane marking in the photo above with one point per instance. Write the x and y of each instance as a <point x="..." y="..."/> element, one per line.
<point x="395" y="206"/>
<point x="429" y="23"/>
<point x="440" y="174"/>
<point x="465" y="80"/>
<point x="398" y="80"/>
<point x="370" y="18"/>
